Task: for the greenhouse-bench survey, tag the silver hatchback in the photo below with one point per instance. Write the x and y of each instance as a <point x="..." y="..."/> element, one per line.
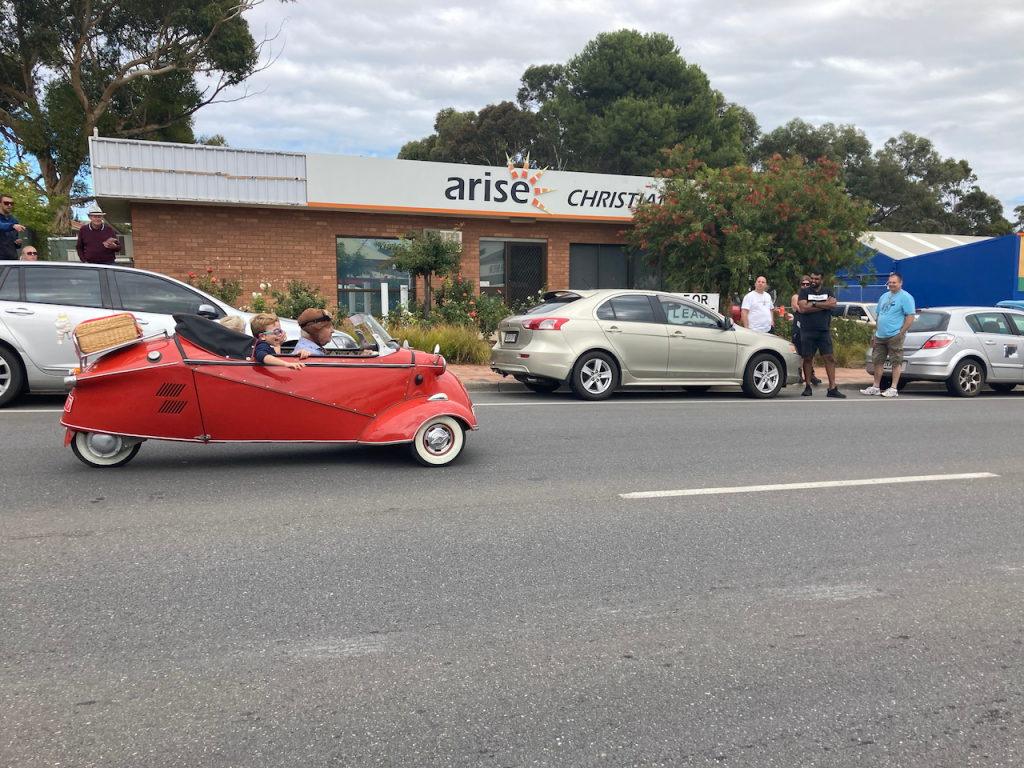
<point x="597" y="341"/>
<point x="963" y="347"/>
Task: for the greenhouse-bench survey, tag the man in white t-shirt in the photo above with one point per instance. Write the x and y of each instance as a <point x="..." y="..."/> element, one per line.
<point x="756" y="311"/>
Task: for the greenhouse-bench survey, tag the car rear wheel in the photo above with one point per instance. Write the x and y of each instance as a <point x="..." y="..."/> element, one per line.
<point x="967" y="379"/>
<point x="594" y="377"/>
<point x="763" y="377"/>
<point x="541" y="385"/>
<point x="438" y="442"/>
<point x="1002" y="388"/>
<point x="103" y="451"/>
<point x="12" y="376"/>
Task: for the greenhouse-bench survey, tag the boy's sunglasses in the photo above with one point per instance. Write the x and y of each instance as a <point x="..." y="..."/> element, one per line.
<point x="273" y="332"/>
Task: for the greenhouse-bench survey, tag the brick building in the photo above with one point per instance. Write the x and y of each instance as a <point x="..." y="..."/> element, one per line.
<point x="273" y="217"/>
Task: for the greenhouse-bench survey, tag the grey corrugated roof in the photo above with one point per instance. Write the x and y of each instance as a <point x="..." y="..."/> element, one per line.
<point x="900" y="245"/>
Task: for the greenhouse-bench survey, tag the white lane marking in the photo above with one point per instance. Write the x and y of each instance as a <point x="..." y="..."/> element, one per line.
<point x="804" y="486"/>
<point x="32" y="410"/>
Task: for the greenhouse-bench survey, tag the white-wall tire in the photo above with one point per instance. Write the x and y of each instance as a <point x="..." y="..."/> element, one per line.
<point x="104" y="451"/>
<point x="438" y="442"/>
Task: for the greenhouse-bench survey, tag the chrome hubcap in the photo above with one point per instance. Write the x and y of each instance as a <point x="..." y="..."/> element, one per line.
<point x="438" y="439"/>
<point x="103" y="446"/>
<point x="970" y="378"/>
<point x="596" y="376"/>
<point x="5" y="376"/>
<point x="766" y="376"/>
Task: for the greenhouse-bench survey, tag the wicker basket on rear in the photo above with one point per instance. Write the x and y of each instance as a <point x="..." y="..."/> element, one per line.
<point x="105" y="332"/>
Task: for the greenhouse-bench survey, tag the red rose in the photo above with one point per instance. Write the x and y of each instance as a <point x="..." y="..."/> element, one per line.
<point x="472" y="314"/>
<point x="209" y="269"/>
<point x="191" y="274"/>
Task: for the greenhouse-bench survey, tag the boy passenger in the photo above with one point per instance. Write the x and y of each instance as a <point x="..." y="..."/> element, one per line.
<point x="267" y="330"/>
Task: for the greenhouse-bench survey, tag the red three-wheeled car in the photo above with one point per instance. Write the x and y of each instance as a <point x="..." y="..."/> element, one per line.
<point x="201" y="385"/>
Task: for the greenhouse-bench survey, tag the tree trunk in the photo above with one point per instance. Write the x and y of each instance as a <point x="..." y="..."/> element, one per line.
<point x="426" y="296"/>
<point x="62" y="221"/>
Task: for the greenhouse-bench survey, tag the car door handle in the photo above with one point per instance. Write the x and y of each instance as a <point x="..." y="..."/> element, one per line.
<point x="992" y="343"/>
<point x="679" y="335"/>
<point x="141" y="321"/>
<point x="613" y="329"/>
<point x="19" y="311"/>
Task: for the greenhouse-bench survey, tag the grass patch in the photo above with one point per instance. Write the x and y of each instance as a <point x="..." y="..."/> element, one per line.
<point x="460" y="345"/>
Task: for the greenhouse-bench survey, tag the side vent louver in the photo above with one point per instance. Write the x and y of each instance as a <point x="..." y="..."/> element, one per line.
<point x="170" y="390"/>
<point x="172" y="406"/>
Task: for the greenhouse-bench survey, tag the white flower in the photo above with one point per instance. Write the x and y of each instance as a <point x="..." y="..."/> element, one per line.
<point x="256" y="295"/>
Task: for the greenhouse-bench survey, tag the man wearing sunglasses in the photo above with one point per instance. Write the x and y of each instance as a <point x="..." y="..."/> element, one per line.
<point x="28" y="253"/>
<point x="805" y="282"/>
<point x="10" y="229"/>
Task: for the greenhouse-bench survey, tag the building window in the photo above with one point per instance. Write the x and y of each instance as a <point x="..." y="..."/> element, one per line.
<point x="609" y="266"/>
<point x="361" y="272"/>
<point x="514" y="267"/>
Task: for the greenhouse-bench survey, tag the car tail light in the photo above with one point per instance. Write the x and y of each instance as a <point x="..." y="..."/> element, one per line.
<point x="545" y="323"/>
<point x="938" y="341"/>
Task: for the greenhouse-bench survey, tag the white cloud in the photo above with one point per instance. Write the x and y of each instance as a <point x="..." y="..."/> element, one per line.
<point x="365" y="80"/>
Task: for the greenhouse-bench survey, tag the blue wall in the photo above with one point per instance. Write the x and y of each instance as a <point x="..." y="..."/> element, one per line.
<point x="978" y="274"/>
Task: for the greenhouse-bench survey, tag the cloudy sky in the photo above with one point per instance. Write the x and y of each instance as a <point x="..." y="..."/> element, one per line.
<point x="364" y="78"/>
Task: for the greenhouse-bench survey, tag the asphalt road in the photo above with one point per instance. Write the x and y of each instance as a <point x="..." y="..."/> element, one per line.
<point x="314" y="606"/>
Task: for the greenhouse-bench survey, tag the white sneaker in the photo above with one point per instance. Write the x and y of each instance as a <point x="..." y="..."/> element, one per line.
<point x="872" y="390"/>
<point x="891" y="392"/>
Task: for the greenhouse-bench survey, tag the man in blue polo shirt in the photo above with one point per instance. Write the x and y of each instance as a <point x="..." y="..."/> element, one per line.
<point x="895" y="314"/>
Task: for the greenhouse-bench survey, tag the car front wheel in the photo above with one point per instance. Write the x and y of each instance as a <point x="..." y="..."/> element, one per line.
<point x="967" y="379"/>
<point x="594" y="377"/>
<point x="763" y="377"/>
<point x="12" y="375"/>
<point x="438" y="442"/>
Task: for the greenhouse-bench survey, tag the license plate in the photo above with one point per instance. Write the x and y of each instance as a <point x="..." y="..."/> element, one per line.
<point x="886" y="366"/>
<point x="510" y="337"/>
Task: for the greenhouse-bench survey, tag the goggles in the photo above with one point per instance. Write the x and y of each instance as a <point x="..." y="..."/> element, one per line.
<point x="315" y="320"/>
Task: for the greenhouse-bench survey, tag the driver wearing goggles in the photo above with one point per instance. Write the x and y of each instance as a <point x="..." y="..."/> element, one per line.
<point x="316" y="332"/>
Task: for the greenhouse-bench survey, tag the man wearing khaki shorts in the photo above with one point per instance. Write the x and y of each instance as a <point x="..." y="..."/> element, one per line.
<point x="895" y="315"/>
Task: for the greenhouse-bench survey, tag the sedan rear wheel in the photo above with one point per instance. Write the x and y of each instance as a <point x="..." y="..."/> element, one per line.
<point x="763" y="377"/>
<point x="438" y="442"/>
<point x="967" y="379"/>
<point x="594" y="377"/>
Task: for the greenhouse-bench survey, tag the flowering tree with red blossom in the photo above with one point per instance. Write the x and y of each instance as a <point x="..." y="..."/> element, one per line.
<point x="717" y="230"/>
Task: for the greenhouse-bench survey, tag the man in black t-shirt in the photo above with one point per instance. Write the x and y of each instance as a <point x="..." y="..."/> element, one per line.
<point x="816" y="303"/>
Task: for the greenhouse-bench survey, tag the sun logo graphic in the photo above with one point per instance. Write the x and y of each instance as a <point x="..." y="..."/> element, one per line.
<point x="532" y="176"/>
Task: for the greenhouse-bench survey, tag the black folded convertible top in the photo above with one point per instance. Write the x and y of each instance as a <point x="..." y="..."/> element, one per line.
<point x="213" y="337"/>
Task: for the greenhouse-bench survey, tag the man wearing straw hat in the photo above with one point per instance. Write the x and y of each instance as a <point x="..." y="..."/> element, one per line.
<point x="97" y="242"/>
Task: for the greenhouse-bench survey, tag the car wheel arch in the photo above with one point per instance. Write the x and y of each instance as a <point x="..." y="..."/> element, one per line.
<point x="768" y="351"/>
<point x="21" y="361"/>
<point x="602" y="350"/>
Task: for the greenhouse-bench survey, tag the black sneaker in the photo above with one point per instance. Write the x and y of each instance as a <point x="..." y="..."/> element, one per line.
<point x="835" y="393"/>
<point x="815" y="380"/>
<point x="808" y="391"/>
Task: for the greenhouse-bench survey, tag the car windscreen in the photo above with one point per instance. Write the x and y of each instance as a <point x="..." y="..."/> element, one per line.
<point x="930" y="322"/>
<point x="553" y="304"/>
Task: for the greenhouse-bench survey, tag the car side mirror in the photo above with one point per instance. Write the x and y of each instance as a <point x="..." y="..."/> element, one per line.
<point x="205" y="310"/>
<point x="726" y="323"/>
